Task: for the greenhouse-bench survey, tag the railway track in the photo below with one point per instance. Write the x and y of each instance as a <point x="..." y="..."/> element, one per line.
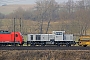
<point x="43" y="48"/>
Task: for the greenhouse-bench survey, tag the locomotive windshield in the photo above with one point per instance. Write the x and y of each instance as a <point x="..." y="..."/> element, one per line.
<point x="58" y="33"/>
<point x="4" y="32"/>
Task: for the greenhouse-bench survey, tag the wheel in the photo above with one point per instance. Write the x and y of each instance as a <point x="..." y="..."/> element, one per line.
<point x="58" y="44"/>
<point x="21" y="45"/>
<point x="32" y="45"/>
<point x="84" y="45"/>
<point x="42" y="45"/>
<point x="68" y="45"/>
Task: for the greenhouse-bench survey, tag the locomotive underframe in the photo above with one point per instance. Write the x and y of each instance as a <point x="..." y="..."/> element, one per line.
<point x="58" y="43"/>
<point x="10" y="43"/>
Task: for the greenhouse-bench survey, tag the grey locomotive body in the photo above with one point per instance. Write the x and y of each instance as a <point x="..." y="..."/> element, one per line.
<point x="56" y="38"/>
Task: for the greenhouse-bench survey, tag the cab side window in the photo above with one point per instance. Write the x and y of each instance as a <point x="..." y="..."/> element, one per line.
<point x="31" y="37"/>
<point x="38" y="37"/>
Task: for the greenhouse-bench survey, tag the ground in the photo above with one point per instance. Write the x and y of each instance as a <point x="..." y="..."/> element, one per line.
<point x="44" y="54"/>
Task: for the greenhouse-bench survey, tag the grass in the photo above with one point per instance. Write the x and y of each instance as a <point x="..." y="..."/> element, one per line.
<point x="45" y="55"/>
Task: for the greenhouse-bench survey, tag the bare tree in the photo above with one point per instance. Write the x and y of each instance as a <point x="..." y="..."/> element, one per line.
<point x="46" y="10"/>
<point x="83" y="17"/>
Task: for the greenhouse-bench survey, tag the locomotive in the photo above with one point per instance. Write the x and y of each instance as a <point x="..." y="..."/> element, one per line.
<point x="56" y="38"/>
<point x="11" y="38"/>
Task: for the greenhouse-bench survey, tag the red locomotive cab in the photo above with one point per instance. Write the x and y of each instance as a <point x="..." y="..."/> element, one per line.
<point x="17" y="38"/>
<point x="5" y="37"/>
<point x="11" y="38"/>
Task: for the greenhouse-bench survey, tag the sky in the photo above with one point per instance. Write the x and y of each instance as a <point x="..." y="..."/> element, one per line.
<point x="2" y="2"/>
